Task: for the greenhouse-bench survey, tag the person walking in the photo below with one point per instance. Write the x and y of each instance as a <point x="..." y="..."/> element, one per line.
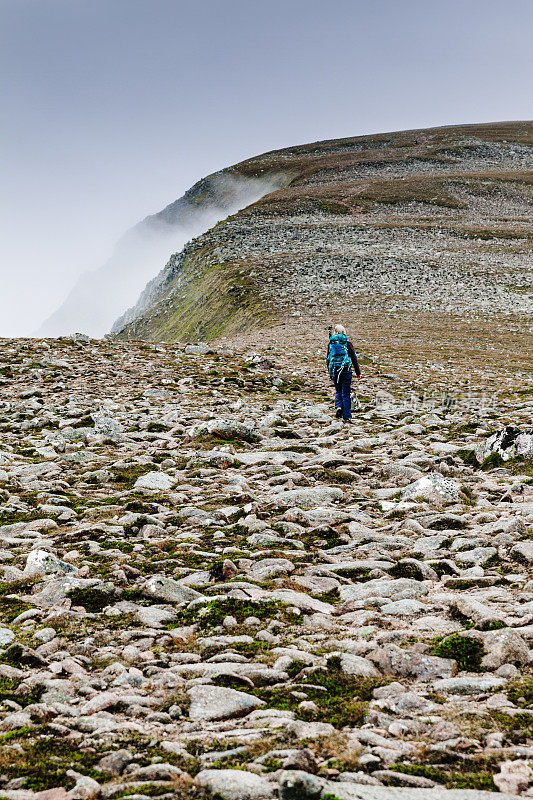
<point x="341" y="358"/>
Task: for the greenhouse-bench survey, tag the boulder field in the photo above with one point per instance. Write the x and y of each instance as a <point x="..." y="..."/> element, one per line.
<point x="212" y="588"/>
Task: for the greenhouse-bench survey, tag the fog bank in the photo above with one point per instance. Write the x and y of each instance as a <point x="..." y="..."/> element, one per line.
<point x="102" y="295"/>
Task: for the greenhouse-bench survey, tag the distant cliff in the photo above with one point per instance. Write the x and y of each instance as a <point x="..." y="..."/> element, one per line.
<point x="408" y="222"/>
<point x="101" y="295"/>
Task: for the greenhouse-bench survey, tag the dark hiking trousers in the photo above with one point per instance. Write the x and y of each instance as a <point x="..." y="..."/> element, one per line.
<point x="343" y="384"/>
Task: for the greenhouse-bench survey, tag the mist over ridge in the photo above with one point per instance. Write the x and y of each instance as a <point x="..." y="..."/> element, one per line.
<point x="101" y="295"/>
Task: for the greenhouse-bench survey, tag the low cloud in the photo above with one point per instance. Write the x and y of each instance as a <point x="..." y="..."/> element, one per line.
<point x="102" y="295"/>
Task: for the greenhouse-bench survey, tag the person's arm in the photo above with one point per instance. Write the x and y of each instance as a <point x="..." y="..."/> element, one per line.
<point x="351" y="353"/>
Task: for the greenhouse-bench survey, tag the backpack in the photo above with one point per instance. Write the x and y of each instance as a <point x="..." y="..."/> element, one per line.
<point x="338" y="356"/>
<point x="338" y="347"/>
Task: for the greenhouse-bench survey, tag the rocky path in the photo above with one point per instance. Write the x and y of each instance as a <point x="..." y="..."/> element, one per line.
<point x="211" y="588"/>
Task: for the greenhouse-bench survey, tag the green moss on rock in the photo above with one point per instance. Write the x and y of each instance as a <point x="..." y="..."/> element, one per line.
<point x="466" y="650"/>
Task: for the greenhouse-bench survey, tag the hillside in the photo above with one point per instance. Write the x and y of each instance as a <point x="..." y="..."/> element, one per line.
<point x="419" y="230"/>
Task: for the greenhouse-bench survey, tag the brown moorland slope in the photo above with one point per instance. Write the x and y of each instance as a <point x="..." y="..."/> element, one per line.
<point x="419" y="240"/>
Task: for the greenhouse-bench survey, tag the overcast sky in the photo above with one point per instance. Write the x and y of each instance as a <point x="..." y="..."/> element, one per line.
<point x="112" y="108"/>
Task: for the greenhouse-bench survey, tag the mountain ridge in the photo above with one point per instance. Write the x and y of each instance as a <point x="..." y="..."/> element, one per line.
<point x="397" y="214"/>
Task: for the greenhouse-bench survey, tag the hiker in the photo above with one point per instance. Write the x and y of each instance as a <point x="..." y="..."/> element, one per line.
<point x="340" y="359"/>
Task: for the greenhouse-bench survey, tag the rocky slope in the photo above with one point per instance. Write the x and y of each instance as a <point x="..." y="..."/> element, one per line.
<point x="407" y="224"/>
<point x="99" y="296"/>
<point x="210" y="588"/>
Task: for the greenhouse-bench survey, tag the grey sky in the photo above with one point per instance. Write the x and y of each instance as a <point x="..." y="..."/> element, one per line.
<point x="112" y="108"/>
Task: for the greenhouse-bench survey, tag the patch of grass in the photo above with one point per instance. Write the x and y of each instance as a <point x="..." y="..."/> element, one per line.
<point x="213" y="299"/>
<point x="397" y="514"/>
<point x="98" y="626"/>
<point x="519" y="466"/>
<point x="291" y="385"/>
<point x="458" y="616"/>
<point x="523" y="289"/>
<point x="19" y="733"/>
<point x="232" y="682"/>
<point x="44" y="760"/>
<point x="468" y="496"/>
<point x="11" y="517"/>
<point x="355" y="573"/>
<point x="216" y="572"/>
<point x="332" y="596"/>
<point x="93" y="599"/>
<point x="175" y="697"/>
<point x="447" y="523"/>
<point x="468" y="456"/>
<point x="420" y="189"/>
<point x="317" y="537"/>
<point x="126" y="476"/>
<point x="491" y="625"/>
<point x="492" y="462"/>
<point x="467" y="651"/>
<point x="158" y="458"/>
<point x="125" y="547"/>
<point x="452" y="779"/>
<point x="84" y="422"/>
<point x="334" y="476"/>
<point x="210" y="440"/>
<point x="212" y="614"/>
<point x="341" y="699"/>
<point x="405" y="570"/>
<point x="147" y="750"/>
<point x="435" y="697"/>
<point x="148" y="789"/>
<point x="285" y="433"/>
<point x="133" y="528"/>
<point x="198" y="747"/>
<point x="25" y="451"/>
<point x="9" y="690"/>
<point x="301" y="448"/>
<point x="441" y="568"/>
<point x="518" y="728"/>
<point x="295" y="668"/>
<point x="140" y="507"/>
<point x="11" y="605"/>
<point x="156" y="427"/>
<point x="468" y="427"/>
<point x="521" y="692"/>
<point x="17" y="656"/>
<point x="252" y="649"/>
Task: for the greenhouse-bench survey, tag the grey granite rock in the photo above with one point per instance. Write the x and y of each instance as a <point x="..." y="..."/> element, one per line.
<point x="41" y="562"/>
<point x="233" y="784"/>
<point x="163" y="588"/>
<point x="308" y="497"/>
<point x="217" y="702"/>
<point x="468" y="685"/>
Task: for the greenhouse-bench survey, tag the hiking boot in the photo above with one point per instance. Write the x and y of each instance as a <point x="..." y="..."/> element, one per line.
<point x="338" y="413"/>
<point x="348" y="421"/>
